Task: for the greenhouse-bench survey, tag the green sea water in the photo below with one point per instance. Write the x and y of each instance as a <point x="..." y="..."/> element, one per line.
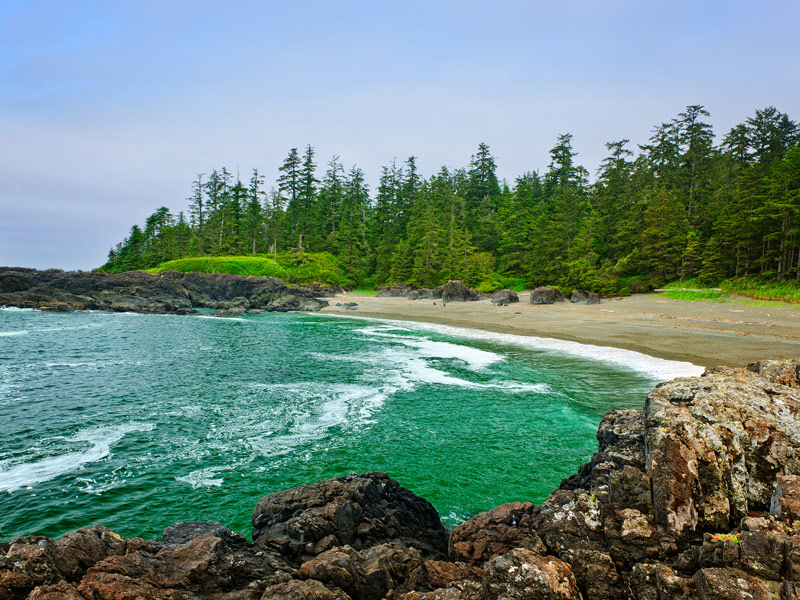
<point x="140" y="421"/>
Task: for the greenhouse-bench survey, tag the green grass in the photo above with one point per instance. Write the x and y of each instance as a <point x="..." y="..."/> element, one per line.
<point x="783" y="291"/>
<point x="257" y="266"/>
<point x="366" y="292"/>
<point x="307" y="268"/>
<point x="693" y="296"/>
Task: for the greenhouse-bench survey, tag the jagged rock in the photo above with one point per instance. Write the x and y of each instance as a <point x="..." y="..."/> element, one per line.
<point x="205" y="565"/>
<point x="180" y="533"/>
<point x="458" y="590"/>
<point x="309" y="589"/>
<point x="592" y="299"/>
<point x="360" y="511"/>
<point x="137" y="291"/>
<point x="596" y="575"/>
<point x="456" y="291"/>
<point x="398" y="290"/>
<point x="504" y="297"/>
<point x="365" y="575"/>
<point x="783" y="372"/>
<point x="58" y="591"/>
<point x="543" y="295"/>
<point x="496" y="532"/>
<point x="559" y="297"/>
<point x="33" y="561"/>
<point x="785" y="502"/>
<point x="435" y="574"/>
<point x="656" y="581"/>
<point x="348" y="305"/>
<point x="732" y="584"/>
<point x="715" y="445"/>
<point x="524" y="575"/>
<point x="578" y="296"/>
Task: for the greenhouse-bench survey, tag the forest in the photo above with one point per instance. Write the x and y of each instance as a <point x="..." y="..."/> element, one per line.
<point x="677" y="207"/>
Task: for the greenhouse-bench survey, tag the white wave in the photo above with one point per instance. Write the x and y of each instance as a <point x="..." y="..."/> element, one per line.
<point x="100" y="440"/>
<point x="12" y="333"/>
<point x="202" y="478"/>
<point x="476" y="359"/>
<point x="658" y="369"/>
<point x="238" y="319"/>
<point x="15" y="309"/>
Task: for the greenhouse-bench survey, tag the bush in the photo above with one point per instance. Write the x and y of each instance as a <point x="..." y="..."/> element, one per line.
<point x="257" y="266"/>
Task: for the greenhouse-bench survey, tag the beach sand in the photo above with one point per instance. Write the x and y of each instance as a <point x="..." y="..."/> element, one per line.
<point x="733" y="332"/>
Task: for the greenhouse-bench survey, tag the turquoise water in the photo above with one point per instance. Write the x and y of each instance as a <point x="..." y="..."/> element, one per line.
<point x="139" y="421"/>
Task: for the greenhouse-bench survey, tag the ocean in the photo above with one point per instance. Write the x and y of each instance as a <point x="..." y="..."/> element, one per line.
<point x="139" y="421"/>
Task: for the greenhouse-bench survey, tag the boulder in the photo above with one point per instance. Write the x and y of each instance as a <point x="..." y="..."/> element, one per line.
<point x="504" y="297"/>
<point x="714" y="446"/>
<point x="783" y="372"/>
<point x="543" y="295"/>
<point x="357" y="510"/>
<point x="456" y="291"/>
<point x="309" y="589"/>
<point x="592" y="299"/>
<point x="496" y="532"/>
<point x="578" y="296"/>
<point x="785" y="502"/>
<point x="524" y="575"/>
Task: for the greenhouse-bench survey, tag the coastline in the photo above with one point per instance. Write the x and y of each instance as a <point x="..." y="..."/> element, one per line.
<point x="703" y="333"/>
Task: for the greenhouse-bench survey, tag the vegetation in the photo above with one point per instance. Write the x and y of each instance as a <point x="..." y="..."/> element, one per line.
<point x="692" y="295"/>
<point x="238" y="265"/>
<point x="680" y="208"/>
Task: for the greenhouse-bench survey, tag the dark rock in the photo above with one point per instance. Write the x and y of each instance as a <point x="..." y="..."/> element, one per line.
<point x="137" y="291"/>
<point x="350" y="305"/>
<point x="524" y="575"/>
<point x="732" y="584"/>
<point x="543" y="295"/>
<point x="180" y="533"/>
<point x="592" y="299"/>
<point x="504" y="297"/>
<point x="398" y="290"/>
<point x="578" y="296"/>
<point x="496" y="532"/>
<point x="423" y="294"/>
<point x="456" y="291"/>
<point x="303" y="590"/>
<point x="434" y="574"/>
<point x="656" y="581"/>
<point x="34" y="561"/>
<point x="458" y="590"/>
<point x="359" y="511"/>
<point x="559" y="297"/>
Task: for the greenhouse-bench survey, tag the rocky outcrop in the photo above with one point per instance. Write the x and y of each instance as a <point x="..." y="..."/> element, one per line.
<point x="578" y="296"/>
<point x="695" y="497"/>
<point x="398" y="290"/>
<point x="592" y="299"/>
<point x="504" y="297"/>
<point x="137" y="291"/>
<point x="358" y="510"/>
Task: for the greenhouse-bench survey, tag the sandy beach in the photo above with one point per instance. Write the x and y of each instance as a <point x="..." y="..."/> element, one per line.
<point x="705" y="333"/>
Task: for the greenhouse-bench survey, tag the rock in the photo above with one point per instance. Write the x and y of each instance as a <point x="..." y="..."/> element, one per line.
<point x="496" y="532"/>
<point x="578" y="296"/>
<point x="524" y="575"/>
<point x="180" y="533"/>
<point x="435" y="574"/>
<point x="559" y="297"/>
<point x="656" y="581"/>
<point x="504" y="297"/>
<point x="732" y="584"/>
<point x="59" y="591"/>
<point x="302" y="590"/>
<point x="715" y="445"/>
<point x="350" y="305"/>
<point x="398" y="290"/>
<point x="783" y="372"/>
<point x="543" y="295"/>
<point x="592" y="299"/>
<point x="205" y="565"/>
<point x="137" y="291"/>
<point x="785" y="502"/>
<point x="359" y="511"/>
<point x="456" y="291"/>
<point x="34" y="561"/>
<point x="458" y="590"/>
<point x="423" y="294"/>
<point x="365" y="575"/>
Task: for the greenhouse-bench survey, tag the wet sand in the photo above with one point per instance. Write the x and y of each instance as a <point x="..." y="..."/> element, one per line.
<point x="705" y="333"/>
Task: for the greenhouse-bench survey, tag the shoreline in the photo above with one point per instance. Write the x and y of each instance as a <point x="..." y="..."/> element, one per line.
<point x="703" y="333"/>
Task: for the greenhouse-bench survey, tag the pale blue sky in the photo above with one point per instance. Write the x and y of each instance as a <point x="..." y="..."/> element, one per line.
<point x="109" y="109"/>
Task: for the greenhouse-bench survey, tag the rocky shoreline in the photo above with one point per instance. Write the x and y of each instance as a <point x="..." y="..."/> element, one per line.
<point x="170" y="292"/>
<point x="696" y="496"/>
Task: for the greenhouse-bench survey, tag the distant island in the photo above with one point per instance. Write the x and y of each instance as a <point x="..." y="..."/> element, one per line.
<point x="682" y="208"/>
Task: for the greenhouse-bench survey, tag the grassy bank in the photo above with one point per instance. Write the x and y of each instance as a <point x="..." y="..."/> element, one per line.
<point x="693" y="290"/>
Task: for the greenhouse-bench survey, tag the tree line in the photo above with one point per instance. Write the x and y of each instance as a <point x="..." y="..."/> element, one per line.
<point x="679" y="206"/>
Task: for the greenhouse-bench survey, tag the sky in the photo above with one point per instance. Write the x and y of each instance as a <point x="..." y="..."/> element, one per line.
<point x="109" y="110"/>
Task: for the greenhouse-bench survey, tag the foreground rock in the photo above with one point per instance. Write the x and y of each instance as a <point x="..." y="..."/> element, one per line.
<point x="546" y="295"/>
<point x="695" y="497"/>
<point x="137" y="291"/>
<point x="504" y="297"/>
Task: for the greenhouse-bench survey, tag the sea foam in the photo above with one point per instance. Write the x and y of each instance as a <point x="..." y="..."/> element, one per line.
<point x="658" y="369"/>
<point x="100" y="440"/>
